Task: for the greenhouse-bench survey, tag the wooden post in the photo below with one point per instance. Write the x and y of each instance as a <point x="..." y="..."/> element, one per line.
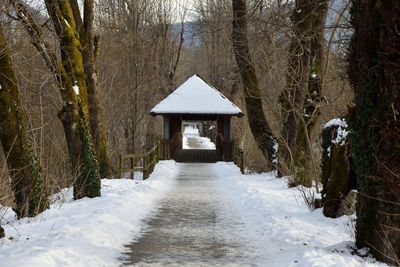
<point x="227" y="129"/>
<point x="133" y="168"/>
<point x="158" y="151"/>
<point x="145" y="171"/>
<point x="120" y="165"/>
<point x="241" y="162"/>
<point x="153" y="159"/>
<point x="166" y="134"/>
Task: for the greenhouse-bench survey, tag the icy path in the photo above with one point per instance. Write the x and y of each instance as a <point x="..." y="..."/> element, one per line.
<point x="196" y="225"/>
<point x="214" y="216"/>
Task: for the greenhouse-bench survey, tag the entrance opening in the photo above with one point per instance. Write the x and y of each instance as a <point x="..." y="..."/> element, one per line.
<point x="198" y="135"/>
<point x="197" y="143"/>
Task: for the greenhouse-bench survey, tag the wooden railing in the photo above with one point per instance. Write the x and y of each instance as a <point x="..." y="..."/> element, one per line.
<point x="146" y="162"/>
<point x="165" y="149"/>
<point x="140" y="162"/>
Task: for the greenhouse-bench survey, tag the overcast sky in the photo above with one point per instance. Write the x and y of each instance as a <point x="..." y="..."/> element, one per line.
<point x="188" y="6"/>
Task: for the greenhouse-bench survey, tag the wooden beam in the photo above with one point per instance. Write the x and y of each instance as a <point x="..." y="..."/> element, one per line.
<point x="167" y="126"/>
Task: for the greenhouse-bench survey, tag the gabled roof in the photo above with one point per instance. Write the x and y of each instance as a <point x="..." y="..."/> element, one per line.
<point x="195" y="96"/>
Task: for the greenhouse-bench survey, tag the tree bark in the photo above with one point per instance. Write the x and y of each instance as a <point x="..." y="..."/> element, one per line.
<point x="26" y="175"/>
<point x="64" y="82"/>
<point x="255" y="113"/>
<point x="96" y="118"/>
<point x="75" y="113"/>
<point x="374" y="74"/>
<point x="338" y="177"/>
<point x="292" y="97"/>
<point x="303" y="161"/>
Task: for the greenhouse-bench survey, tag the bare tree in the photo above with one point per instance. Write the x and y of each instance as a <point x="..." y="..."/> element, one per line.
<point x="139" y="79"/>
<point x="70" y="77"/>
<point x="255" y="113"/>
<point x="88" y="50"/>
<point x="304" y="162"/>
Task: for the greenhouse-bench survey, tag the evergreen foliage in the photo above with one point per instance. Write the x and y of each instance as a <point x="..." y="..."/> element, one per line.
<point x="88" y="183"/>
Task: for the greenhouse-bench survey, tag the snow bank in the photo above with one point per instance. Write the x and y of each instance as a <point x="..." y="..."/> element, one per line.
<point x="191" y="131"/>
<point x="279" y="221"/>
<point x="87" y="232"/>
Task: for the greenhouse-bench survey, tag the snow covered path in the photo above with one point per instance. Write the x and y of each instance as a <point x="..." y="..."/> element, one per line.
<point x="196" y="225"/>
<point x="216" y="217"/>
<point x="192" y="140"/>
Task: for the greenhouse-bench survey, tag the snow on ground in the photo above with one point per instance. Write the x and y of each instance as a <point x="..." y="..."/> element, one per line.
<point x="87" y="232"/>
<point x="280" y="222"/>
<point x="192" y="134"/>
<point x="93" y="232"/>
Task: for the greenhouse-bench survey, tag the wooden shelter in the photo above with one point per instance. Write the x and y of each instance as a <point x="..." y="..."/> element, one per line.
<point x="196" y="100"/>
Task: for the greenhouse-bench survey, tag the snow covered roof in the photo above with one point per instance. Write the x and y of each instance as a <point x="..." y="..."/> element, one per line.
<point x="195" y="96"/>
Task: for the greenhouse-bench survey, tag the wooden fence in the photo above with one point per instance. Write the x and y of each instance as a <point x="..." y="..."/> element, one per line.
<point x="140" y="162"/>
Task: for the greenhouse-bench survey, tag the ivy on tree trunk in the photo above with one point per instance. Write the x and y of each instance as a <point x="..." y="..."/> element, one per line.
<point x="75" y="113"/>
<point x="87" y="52"/>
<point x="375" y="125"/>
<point x="27" y="180"/>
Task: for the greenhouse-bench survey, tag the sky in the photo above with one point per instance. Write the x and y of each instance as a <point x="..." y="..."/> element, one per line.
<point x="187" y="5"/>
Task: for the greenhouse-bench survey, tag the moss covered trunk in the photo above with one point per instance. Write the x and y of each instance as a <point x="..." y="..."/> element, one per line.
<point x="75" y="113"/>
<point x="96" y="117"/>
<point x="26" y="176"/>
<point x="61" y="76"/>
<point x="375" y="128"/>
<point x="255" y="113"/>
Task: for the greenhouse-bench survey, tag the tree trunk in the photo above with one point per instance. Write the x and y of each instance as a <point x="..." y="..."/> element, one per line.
<point x="74" y="115"/>
<point x="89" y="54"/>
<point x="298" y="71"/>
<point x="26" y="175"/>
<point x="255" y="113"/>
<point x="374" y="74"/>
<point x="69" y="115"/>
<point x="338" y="177"/>
<point x="303" y="161"/>
<point x="96" y="118"/>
